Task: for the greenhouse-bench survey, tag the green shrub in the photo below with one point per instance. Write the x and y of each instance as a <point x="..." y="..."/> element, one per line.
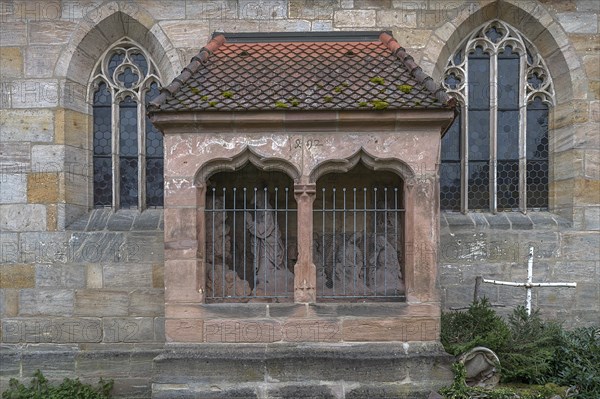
<point x="577" y="361"/>
<point x="478" y="326"/>
<point x="532" y="343"/>
<point x="68" y="389"/>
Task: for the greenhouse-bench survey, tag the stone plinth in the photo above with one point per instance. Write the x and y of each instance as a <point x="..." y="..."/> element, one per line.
<point x="357" y="370"/>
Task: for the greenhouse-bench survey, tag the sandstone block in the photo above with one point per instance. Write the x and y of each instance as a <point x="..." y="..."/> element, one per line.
<point x="158" y="276"/>
<point x="34" y="93"/>
<point x="130" y="275"/>
<point x="47" y="158"/>
<point x="184" y="330"/>
<point x="26" y="125"/>
<point x="11" y="62"/>
<point x="211" y="9"/>
<point x="9" y="302"/>
<point x="578" y="22"/>
<point x="17" y="276"/>
<point x="93" y="276"/>
<point x="163" y="9"/>
<point x="45" y="302"/>
<point x="42" y="187"/>
<point x="128" y="329"/>
<point x="40" y="61"/>
<point x="588" y="5"/>
<point x="402" y="330"/>
<point x="354" y="18"/>
<point x="397" y="18"/>
<point x="18" y="217"/>
<point x="60" y="276"/>
<point x="250" y="9"/>
<point x="322" y="25"/>
<point x="13" y="33"/>
<point x="242" y="331"/>
<point x="13" y="188"/>
<point x="16" y="157"/>
<point x="186" y="34"/>
<point x="311" y="9"/>
<point x="147" y="302"/>
<point x="144" y="247"/>
<point x="50" y="32"/>
<point x="101" y="303"/>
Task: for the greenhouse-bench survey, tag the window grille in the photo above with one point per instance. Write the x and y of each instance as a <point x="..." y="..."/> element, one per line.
<point x="250" y="243"/>
<point x="358" y="241"/>
<point x="495" y="155"/>
<point x="128" y="149"/>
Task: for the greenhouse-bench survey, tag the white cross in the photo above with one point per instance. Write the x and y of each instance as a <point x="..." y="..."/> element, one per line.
<point x="529" y="284"/>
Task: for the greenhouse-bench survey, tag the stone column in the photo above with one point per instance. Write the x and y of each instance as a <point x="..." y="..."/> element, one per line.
<point x="305" y="272"/>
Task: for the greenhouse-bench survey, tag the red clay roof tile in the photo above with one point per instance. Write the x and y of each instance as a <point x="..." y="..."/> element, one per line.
<point x="301" y="75"/>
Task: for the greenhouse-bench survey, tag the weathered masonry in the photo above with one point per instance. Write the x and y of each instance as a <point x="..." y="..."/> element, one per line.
<point x="299" y="172"/>
<point x="83" y="206"/>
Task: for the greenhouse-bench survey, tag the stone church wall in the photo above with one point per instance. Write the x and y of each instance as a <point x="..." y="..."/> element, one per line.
<point x="82" y="288"/>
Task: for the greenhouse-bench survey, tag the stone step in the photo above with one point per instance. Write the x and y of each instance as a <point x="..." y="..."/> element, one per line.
<point x="341" y="371"/>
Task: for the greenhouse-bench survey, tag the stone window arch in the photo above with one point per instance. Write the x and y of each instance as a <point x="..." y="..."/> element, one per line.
<point x="495" y="156"/>
<point x="127" y="148"/>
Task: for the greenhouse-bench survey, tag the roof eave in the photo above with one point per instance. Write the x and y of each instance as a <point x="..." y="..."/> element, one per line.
<point x="324" y="121"/>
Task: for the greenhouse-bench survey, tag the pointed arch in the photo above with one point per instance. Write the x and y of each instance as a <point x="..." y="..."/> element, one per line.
<point x="495" y="156"/>
<point x="101" y="27"/>
<point x="374" y="163"/>
<point x="533" y="21"/>
<point x="247" y="155"/>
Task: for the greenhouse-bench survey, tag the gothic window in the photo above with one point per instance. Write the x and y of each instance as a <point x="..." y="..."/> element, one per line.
<point x="495" y="155"/>
<point x="128" y="150"/>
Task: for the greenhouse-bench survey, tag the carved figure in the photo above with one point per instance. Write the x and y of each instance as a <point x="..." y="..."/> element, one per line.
<point x="348" y="274"/>
<point x="385" y="277"/>
<point x="271" y="275"/>
<point x="222" y="282"/>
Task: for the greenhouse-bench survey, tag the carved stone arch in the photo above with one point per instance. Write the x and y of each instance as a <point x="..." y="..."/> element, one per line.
<point x="102" y="27"/>
<point x="238" y="161"/>
<point x="375" y="163"/>
<point x="533" y="21"/>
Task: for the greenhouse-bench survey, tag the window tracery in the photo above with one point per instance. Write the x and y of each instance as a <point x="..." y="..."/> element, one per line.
<point x="495" y="155"/>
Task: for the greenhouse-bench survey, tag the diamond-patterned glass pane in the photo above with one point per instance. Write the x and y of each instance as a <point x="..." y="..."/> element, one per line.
<point x="479" y="135"/>
<point x="128" y="155"/>
<point x="128" y="168"/>
<point x="508" y="135"/>
<point x="115" y="60"/>
<point x="139" y="60"/>
<point x="479" y="185"/>
<point x="102" y="181"/>
<point x="537" y="154"/>
<point x="154" y="182"/>
<point x="450" y="185"/>
<point x="154" y="158"/>
<point x="479" y="80"/>
<point x="508" y="80"/>
<point x="537" y="184"/>
<point x="507" y="179"/>
<point x="102" y="146"/>
<point x="450" y="167"/>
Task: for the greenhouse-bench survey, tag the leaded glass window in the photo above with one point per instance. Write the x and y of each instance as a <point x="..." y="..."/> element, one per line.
<point x="495" y="155"/>
<point x="128" y="149"/>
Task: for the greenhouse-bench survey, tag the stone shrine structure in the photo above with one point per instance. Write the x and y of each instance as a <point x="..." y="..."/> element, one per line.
<point x="89" y="241"/>
<point x="307" y="106"/>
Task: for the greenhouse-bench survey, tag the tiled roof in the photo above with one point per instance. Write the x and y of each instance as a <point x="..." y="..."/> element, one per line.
<point x="360" y="72"/>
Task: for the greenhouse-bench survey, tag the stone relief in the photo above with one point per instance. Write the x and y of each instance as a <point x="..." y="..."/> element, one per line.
<point x="272" y="276"/>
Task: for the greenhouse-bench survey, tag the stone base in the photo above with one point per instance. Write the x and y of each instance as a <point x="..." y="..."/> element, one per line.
<point x="282" y="370"/>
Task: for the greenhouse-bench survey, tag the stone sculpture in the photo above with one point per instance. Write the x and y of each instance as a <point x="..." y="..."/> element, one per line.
<point x="271" y="274"/>
<point x="222" y="282"/>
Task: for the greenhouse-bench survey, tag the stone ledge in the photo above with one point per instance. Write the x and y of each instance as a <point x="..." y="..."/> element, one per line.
<point x="358" y="370"/>
<point x="456" y="221"/>
<point x="121" y="220"/>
